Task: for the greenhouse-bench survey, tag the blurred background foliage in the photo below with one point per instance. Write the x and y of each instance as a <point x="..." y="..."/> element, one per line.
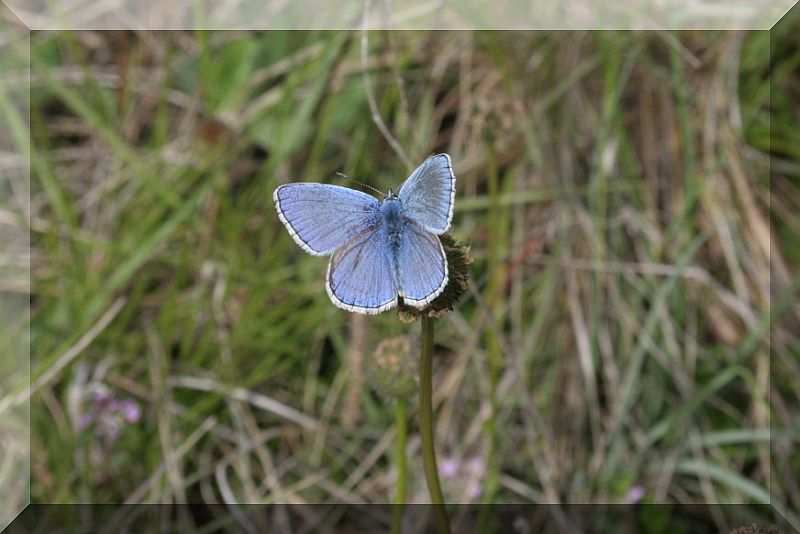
<point x="630" y="198"/>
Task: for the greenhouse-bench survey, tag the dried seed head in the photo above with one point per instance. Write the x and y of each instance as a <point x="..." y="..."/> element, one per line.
<point x="392" y="370"/>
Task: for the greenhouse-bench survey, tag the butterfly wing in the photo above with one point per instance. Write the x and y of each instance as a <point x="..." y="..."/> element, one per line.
<point x="361" y="274"/>
<point x="322" y="217"/>
<point x="428" y="195"/>
<point x="422" y="266"/>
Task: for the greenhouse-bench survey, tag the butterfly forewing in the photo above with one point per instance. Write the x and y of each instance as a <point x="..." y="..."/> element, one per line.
<point x="322" y="217"/>
<point x="361" y="274"/>
<point x="428" y="194"/>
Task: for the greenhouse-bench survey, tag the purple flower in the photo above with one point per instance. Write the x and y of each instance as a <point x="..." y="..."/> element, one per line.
<point x="449" y="467"/>
<point x="109" y="414"/>
<point x="635" y="494"/>
<point x="129" y="409"/>
<point x="464" y="476"/>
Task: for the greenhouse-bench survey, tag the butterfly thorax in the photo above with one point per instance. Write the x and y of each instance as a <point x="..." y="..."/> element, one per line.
<point x="392" y="217"/>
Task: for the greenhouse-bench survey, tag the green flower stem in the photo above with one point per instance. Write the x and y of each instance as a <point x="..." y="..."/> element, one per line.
<point x="426" y="425"/>
<point x="401" y="417"/>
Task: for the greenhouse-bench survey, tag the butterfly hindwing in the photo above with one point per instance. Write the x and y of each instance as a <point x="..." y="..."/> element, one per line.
<point x="361" y="274"/>
<point x="428" y="195"/>
<point x="422" y="266"/>
<point x="322" y="217"/>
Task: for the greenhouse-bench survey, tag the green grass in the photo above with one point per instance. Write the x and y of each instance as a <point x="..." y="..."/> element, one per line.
<point x="618" y="328"/>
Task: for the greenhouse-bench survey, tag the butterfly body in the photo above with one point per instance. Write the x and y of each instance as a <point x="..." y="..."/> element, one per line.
<point x="393" y="219"/>
<point x="380" y="250"/>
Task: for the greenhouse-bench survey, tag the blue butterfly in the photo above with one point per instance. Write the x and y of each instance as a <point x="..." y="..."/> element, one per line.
<point x="380" y="250"/>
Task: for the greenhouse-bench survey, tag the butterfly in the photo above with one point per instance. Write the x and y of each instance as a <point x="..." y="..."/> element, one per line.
<point x="381" y="250"/>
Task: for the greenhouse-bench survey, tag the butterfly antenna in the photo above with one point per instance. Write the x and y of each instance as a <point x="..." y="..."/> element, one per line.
<point x="361" y="184"/>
